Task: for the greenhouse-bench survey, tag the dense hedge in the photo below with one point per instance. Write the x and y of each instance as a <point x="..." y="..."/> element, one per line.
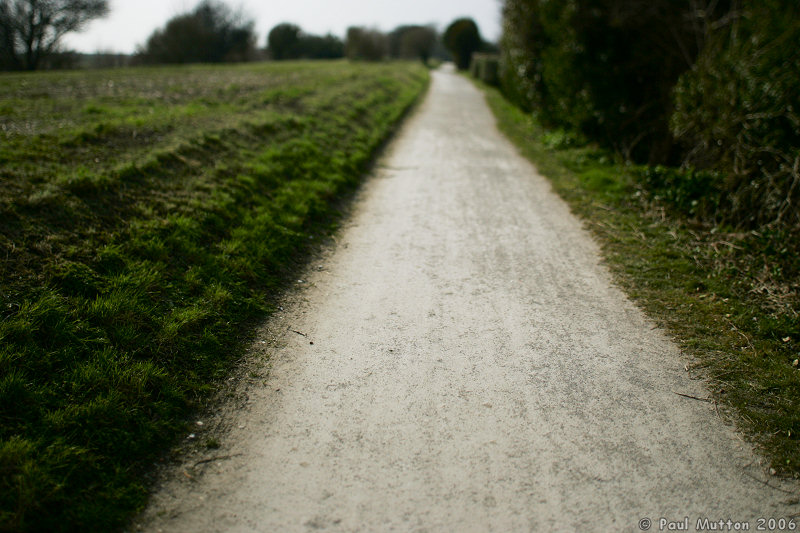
<point x="738" y="112"/>
<point x="705" y="85"/>
<point x="485" y="67"/>
<point x="603" y="67"/>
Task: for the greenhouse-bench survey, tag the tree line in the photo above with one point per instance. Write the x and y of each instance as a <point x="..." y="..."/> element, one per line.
<point x="288" y="41"/>
<point x="709" y="87"/>
<point x="31" y="31"/>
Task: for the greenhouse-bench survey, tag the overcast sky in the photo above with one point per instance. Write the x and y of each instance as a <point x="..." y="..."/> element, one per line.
<point x="132" y="21"/>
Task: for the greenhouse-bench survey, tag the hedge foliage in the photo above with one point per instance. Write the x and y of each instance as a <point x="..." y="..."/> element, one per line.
<point x="738" y="111"/>
<point x="485" y="67"/>
<point x="707" y="85"/>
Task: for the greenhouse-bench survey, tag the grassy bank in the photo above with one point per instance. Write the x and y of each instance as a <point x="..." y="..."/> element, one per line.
<point x="731" y="300"/>
<point x="146" y="218"/>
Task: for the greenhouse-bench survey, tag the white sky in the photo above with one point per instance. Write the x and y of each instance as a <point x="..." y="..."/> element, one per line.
<point x="131" y="22"/>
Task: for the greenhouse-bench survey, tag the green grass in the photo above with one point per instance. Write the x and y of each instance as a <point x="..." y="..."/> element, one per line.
<point x="730" y="299"/>
<point x="147" y="218"/>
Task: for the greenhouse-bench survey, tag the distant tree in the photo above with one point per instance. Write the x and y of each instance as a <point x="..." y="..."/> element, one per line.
<point x="462" y="39"/>
<point x="288" y="41"/>
<point x="212" y="33"/>
<point x="418" y="42"/>
<point x="366" y="44"/>
<point x="412" y="42"/>
<point x="283" y="41"/>
<point x="105" y="59"/>
<point x="30" y="30"/>
<point x="325" y="47"/>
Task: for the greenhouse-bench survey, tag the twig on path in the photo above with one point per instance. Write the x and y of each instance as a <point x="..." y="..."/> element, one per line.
<point x="766" y="482"/>
<point x="709" y="400"/>
<point x="215" y="458"/>
<point x="295" y="331"/>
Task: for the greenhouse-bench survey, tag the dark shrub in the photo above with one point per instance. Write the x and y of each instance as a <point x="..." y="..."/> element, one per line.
<point x="462" y="39"/>
<point x="485" y="67"/>
<point x="605" y="68"/>
<point x="283" y="41"/>
<point x="212" y="33"/>
<point x="738" y="111"/>
<point x="366" y="44"/>
<point x="288" y="41"/>
<point x="698" y="193"/>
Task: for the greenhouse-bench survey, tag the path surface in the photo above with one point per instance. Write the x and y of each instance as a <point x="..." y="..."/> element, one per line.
<point x="468" y="366"/>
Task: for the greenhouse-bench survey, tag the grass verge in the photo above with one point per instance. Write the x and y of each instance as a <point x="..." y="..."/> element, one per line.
<point x="730" y="299"/>
<point x="148" y="215"/>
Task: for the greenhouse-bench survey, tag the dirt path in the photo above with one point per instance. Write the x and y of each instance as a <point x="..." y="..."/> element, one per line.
<point x="465" y="364"/>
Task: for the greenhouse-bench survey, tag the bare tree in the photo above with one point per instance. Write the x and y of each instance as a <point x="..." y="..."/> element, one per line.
<point x="30" y="30"/>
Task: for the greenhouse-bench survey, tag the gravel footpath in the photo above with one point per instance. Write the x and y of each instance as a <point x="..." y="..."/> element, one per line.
<point x="461" y="361"/>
